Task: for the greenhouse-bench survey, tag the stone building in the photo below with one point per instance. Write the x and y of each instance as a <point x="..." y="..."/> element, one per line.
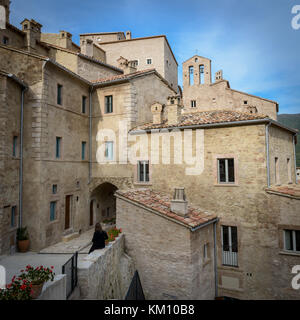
<point x="200" y="93"/>
<point x="98" y="126"/>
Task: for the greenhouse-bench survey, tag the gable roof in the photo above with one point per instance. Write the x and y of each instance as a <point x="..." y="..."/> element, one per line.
<point x="160" y="203"/>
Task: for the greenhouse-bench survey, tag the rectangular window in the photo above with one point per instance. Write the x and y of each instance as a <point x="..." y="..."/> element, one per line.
<point x="54" y="188"/>
<point x="13" y="216"/>
<point x="5" y="40"/>
<point x="15" y="146"/>
<point x="108" y="104"/>
<point x="205" y="251"/>
<point x="292" y="240"/>
<point x="193" y="103"/>
<point x="149" y="61"/>
<point x="191" y="75"/>
<point x="226" y="171"/>
<point x="52" y="210"/>
<point x="59" y="94"/>
<point x="201" y="74"/>
<point x="109" y="150"/>
<point x="276" y="171"/>
<point x="143" y="171"/>
<point x="58" y="147"/>
<point x="229" y="246"/>
<point x="135" y="63"/>
<point x="289" y="170"/>
<point x="83" y="145"/>
<point x="83" y="110"/>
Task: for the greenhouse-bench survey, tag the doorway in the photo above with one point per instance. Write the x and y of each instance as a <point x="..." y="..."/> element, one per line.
<point x="68" y="209"/>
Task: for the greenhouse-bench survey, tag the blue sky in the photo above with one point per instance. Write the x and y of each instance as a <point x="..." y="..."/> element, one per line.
<point x="251" y="40"/>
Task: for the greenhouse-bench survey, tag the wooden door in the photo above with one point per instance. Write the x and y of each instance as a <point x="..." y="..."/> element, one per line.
<point x="92" y="213"/>
<point x="67" y="212"/>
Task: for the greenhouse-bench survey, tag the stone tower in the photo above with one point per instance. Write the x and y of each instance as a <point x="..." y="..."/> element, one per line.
<point x="6" y="5"/>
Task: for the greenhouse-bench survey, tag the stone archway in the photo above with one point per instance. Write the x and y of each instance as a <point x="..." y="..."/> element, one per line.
<point x="102" y="203"/>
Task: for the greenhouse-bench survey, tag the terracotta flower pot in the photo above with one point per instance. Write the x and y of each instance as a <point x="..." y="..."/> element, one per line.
<point x="36" y="290"/>
<point x="23" y="245"/>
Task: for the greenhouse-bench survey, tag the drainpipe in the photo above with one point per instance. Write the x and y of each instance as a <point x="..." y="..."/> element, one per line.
<point x="268" y="154"/>
<point x="215" y="259"/>
<point x="90" y="135"/>
<point x="295" y="160"/>
<point x="21" y="159"/>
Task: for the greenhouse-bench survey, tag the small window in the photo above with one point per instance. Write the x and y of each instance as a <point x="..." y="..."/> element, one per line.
<point x="201" y="74"/>
<point x="205" y="251"/>
<point x="52" y="210"/>
<point x="226" y="171"/>
<point x="191" y="75"/>
<point x="289" y="170"/>
<point x="59" y="94"/>
<point x="229" y="246"/>
<point x="15" y="146"/>
<point x="109" y="150"/>
<point x="58" y="147"/>
<point x="245" y="102"/>
<point x="292" y="240"/>
<point x="13" y="217"/>
<point x="83" y="110"/>
<point x="108" y="104"/>
<point x="107" y="212"/>
<point x="193" y="103"/>
<point x="83" y="145"/>
<point x="54" y="188"/>
<point x="143" y="171"/>
<point x="149" y="61"/>
<point x="5" y="40"/>
<point x="276" y="171"/>
<point x="135" y="63"/>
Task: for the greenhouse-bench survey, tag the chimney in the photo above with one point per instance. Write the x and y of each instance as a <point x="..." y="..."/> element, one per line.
<point x="65" y="39"/>
<point x="156" y="110"/>
<point x="219" y="75"/>
<point x="33" y="33"/>
<point x="87" y="47"/>
<point x="128" y="35"/>
<point x="179" y="205"/>
<point x="6" y="5"/>
<point x="174" y="110"/>
<point x="126" y="66"/>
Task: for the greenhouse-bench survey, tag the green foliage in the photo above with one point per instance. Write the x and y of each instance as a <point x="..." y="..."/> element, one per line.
<point x="292" y="121"/>
<point x="113" y="233"/>
<point x="22" y="234"/>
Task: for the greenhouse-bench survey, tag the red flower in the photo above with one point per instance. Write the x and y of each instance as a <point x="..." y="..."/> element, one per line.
<point x="13" y="278"/>
<point x="23" y="287"/>
<point x="52" y="267"/>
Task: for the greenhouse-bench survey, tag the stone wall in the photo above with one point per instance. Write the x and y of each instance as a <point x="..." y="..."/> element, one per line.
<point x="167" y="255"/>
<point x="56" y="289"/>
<point x="106" y="273"/>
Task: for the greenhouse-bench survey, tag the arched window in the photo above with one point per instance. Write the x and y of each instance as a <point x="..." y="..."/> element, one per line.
<point x="201" y="74"/>
<point x="191" y="75"/>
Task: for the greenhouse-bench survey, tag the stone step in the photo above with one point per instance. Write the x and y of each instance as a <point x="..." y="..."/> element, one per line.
<point x="70" y="236"/>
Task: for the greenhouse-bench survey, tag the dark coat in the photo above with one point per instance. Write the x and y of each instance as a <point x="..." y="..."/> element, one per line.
<point x="98" y="240"/>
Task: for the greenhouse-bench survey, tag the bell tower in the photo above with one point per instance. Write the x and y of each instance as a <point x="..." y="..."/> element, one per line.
<point x="6" y="5"/>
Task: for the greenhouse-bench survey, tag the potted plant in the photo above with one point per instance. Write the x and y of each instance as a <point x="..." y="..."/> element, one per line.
<point x="23" y="239"/>
<point x="18" y="289"/>
<point x="36" y="277"/>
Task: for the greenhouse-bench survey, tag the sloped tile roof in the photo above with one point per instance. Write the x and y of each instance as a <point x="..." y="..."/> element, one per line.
<point x="160" y="202"/>
<point x="205" y="117"/>
<point x="122" y="76"/>
<point x="292" y="190"/>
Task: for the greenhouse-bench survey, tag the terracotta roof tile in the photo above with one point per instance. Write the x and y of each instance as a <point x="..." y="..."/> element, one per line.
<point x="205" y="117"/>
<point x="160" y="202"/>
<point x="292" y="190"/>
<point x="122" y="76"/>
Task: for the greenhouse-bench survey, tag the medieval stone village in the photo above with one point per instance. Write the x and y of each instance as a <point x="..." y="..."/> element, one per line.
<point x="198" y="183"/>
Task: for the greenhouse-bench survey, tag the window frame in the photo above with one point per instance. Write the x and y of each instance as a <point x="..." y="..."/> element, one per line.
<point x="13" y="217"/>
<point x="5" y="40"/>
<point x="147" y="59"/>
<point x="294" y="241"/>
<point x="226" y="172"/>
<point x="106" y="150"/>
<point x="230" y="244"/>
<point x="145" y="175"/>
<point x="59" y="99"/>
<point x="193" y="104"/>
<point x="58" y="147"/>
<point x="15" y="146"/>
<point x="83" y="104"/>
<point x="108" y="108"/>
<point x="83" y="150"/>
<point x="51" y="217"/>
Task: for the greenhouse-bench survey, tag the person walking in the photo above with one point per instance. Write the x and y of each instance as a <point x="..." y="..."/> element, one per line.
<point x="99" y="238"/>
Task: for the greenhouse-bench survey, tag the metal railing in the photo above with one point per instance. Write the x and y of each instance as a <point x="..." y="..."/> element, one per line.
<point x="70" y="269"/>
<point x="229" y="258"/>
<point x="135" y="291"/>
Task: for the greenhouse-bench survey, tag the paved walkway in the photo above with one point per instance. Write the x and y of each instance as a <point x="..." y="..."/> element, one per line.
<point x="56" y="255"/>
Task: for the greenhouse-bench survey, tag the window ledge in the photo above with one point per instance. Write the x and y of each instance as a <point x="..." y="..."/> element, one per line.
<point x="290" y="253"/>
<point x="226" y="185"/>
<point x="143" y="183"/>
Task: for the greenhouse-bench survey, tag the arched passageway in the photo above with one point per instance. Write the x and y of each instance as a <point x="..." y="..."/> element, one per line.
<point x="102" y="203"/>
